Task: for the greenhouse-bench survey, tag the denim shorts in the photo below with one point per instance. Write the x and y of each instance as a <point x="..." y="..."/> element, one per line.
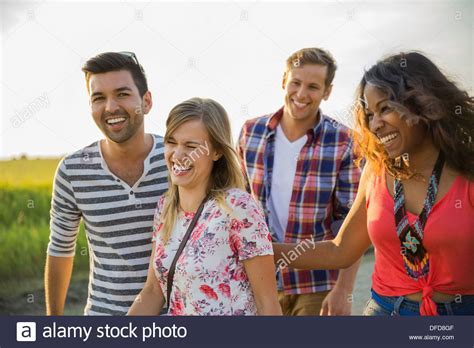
<point x="379" y="305"/>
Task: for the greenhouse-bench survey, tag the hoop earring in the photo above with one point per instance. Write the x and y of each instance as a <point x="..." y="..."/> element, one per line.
<point x="406" y="160"/>
<point x="398" y="162"/>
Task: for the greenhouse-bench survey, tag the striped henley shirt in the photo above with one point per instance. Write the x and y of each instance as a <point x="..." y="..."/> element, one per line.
<point x="118" y="222"/>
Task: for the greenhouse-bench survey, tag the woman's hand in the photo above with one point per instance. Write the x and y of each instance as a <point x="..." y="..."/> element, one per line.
<point x="150" y="300"/>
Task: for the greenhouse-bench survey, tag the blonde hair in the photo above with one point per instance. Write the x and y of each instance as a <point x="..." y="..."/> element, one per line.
<point x="312" y="55"/>
<point x="226" y="172"/>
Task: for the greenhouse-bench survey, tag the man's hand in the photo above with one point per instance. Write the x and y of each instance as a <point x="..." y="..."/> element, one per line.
<point x="339" y="299"/>
<point x="337" y="302"/>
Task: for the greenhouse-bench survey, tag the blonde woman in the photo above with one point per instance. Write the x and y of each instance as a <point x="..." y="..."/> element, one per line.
<point x="226" y="265"/>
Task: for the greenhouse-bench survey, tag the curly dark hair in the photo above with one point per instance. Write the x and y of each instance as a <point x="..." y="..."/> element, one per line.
<point x="419" y="92"/>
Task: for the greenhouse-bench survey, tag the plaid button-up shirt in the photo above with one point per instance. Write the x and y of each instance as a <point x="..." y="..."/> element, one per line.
<point x="324" y="187"/>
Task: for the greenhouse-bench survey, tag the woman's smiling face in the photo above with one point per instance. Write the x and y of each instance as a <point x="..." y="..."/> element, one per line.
<point x="394" y="133"/>
<point x="190" y="155"/>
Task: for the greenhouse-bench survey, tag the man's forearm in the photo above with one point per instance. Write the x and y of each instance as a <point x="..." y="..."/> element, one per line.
<point x="57" y="276"/>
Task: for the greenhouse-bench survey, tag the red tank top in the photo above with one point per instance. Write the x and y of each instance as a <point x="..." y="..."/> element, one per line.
<point x="448" y="238"/>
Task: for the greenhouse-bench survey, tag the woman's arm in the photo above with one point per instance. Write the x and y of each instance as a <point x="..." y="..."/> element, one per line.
<point x="261" y="273"/>
<point x="349" y="245"/>
<point x="150" y="300"/>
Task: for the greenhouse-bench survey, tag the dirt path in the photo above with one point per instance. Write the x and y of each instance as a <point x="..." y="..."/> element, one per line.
<point x="26" y="297"/>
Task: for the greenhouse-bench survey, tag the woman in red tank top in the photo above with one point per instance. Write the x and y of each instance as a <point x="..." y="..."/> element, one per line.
<point x="415" y="204"/>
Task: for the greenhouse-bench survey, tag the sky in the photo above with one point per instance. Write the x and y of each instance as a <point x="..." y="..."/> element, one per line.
<point x="233" y="52"/>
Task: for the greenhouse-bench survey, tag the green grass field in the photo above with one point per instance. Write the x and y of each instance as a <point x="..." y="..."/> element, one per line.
<point x="28" y="173"/>
<point x="25" y="196"/>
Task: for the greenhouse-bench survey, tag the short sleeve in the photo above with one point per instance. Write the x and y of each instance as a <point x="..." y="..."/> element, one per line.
<point x="249" y="235"/>
<point x="157" y="224"/>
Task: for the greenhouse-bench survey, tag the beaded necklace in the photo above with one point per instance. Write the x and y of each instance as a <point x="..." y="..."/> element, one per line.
<point x="415" y="256"/>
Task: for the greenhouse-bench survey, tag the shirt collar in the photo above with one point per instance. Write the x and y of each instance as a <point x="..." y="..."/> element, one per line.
<point x="312" y="133"/>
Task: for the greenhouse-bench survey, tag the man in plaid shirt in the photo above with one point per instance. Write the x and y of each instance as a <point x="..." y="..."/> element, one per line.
<point x="299" y="164"/>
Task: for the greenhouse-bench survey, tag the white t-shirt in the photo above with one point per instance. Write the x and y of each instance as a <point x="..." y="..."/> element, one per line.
<point x="285" y="159"/>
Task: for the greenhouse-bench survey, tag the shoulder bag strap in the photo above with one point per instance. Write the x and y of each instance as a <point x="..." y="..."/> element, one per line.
<point x="181" y="247"/>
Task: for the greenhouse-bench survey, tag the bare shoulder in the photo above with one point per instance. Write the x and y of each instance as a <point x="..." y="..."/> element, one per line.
<point x="366" y="180"/>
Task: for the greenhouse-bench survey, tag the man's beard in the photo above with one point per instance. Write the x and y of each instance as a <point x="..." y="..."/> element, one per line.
<point x="131" y="127"/>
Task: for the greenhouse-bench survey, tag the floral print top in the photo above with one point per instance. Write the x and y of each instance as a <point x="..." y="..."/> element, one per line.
<point x="210" y="278"/>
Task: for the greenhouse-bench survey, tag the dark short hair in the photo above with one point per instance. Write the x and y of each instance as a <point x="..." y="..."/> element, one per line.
<point x="313" y="55"/>
<point x="116" y="61"/>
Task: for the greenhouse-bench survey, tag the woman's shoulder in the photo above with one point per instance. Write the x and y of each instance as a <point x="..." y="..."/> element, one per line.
<point x="238" y="198"/>
<point x="161" y="202"/>
<point x="371" y="180"/>
<point x="463" y="183"/>
<point x="233" y="195"/>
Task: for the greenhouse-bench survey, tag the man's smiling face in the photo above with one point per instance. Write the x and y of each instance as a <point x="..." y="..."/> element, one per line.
<point x="116" y="105"/>
<point x="305" y="88"/>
